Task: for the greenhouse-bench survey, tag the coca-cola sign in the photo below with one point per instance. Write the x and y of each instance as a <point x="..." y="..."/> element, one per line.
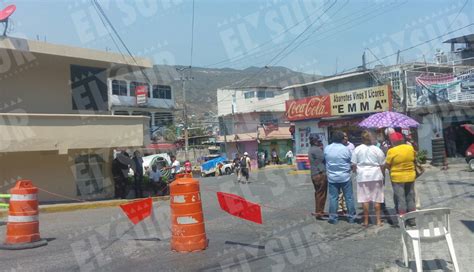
<point x="308" y="108"/>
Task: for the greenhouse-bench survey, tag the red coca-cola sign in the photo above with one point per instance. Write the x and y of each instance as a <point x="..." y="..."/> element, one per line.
<point x="308" y="108"/>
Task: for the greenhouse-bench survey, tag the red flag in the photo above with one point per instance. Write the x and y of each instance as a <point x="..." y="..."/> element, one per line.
<point x="238" y="206"/>
<point x="137" y="210"/>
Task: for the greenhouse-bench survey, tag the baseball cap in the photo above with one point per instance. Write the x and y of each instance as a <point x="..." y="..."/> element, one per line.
<point x="396" y="137"/>
<point x="246" y="154"/>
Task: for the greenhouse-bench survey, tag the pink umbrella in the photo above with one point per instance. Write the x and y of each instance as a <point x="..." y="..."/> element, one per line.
<point x="388" y="119"/>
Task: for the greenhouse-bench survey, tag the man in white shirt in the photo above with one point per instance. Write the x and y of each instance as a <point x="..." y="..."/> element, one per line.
<point x="175" y="167"/>
<point x="289" y="157"/>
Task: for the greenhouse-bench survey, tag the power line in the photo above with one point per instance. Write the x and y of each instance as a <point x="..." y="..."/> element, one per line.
<point x="244" y="55"/>
<point x="459" y="12"/>
<point x="294" y="40"/>
<point x="307" y="37"/>
<point x="413" y="46"/>
<point x="120" y="38"/>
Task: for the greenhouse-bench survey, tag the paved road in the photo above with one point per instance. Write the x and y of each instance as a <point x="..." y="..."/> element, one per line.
<point x="289" y="240"/>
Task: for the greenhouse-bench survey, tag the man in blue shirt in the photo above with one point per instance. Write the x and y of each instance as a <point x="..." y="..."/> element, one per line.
<point x="338" y="169"/>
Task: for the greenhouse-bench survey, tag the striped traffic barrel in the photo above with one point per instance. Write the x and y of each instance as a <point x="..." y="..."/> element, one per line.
<point x="187" y="219"/>
<point x="23" y="223"/>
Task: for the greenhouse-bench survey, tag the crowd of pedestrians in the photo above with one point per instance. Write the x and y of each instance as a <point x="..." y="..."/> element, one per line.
<point x="334" y="167"/>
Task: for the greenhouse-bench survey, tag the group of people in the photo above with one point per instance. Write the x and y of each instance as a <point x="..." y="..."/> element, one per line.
<point x="122" y="164"/>
<point x="332" y="168"/>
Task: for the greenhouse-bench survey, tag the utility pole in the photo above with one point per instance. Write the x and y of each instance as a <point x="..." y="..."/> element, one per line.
<point x="185" y="112"/>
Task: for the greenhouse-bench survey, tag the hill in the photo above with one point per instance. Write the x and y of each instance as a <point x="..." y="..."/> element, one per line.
<point x="201" y="91"/>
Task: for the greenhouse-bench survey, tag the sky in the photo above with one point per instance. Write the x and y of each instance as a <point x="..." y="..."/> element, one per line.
<point x="316" y="37"/>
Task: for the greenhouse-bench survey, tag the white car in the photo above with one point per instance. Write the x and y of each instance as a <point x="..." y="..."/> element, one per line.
<point x="148" y="161"/>
<point x="227" y="168"/>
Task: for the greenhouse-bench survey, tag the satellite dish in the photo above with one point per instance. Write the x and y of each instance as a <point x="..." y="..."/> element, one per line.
<point x="5" y="14"/>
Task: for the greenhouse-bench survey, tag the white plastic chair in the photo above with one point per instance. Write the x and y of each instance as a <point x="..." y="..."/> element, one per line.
<point x="431" y="226"/>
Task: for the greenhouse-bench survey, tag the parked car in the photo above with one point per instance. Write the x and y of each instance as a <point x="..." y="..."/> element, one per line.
<point x="162" y="160"/>
<point x="209" y="167"/>
<point x="470" y="149"/>
<point x="227" y="167"/>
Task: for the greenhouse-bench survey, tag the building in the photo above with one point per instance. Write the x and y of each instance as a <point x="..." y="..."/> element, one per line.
<point x="334" y="103"/>
<point x="158" y="104"/>
<point x="432" y="94"/>
<point x="56" y="126"/>
<point x="253" y="119"/>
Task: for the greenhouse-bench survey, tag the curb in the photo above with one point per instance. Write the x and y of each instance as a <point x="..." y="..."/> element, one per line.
<point x="299" y="172"/>
<point x="54" y="208"/>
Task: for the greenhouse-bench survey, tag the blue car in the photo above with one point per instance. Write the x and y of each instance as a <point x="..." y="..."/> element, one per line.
<point x="209" y="167"/>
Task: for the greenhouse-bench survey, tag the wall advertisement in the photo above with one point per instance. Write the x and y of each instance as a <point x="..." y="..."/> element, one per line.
<point x="360" y="101"/>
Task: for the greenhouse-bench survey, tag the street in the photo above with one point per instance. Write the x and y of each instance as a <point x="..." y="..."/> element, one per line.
<point x="289" y="239"/>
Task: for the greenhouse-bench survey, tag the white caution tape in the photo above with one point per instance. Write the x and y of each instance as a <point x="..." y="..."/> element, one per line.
<point x="22" y="219"/>
<point x="26" y="197"/>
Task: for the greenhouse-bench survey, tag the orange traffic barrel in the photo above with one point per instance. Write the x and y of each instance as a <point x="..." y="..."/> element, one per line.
<point x="23" y="223"/>
<point x="188" y="232"/>
<point x="183" y="175"/>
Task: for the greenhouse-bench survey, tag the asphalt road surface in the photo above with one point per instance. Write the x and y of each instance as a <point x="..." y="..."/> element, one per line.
<point x="289" y="239"/>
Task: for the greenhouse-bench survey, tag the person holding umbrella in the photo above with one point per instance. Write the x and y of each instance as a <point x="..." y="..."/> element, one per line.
<point x="401" y="163"/>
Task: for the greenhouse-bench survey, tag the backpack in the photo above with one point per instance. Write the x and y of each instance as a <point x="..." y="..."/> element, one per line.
<point x="243" y="162"/>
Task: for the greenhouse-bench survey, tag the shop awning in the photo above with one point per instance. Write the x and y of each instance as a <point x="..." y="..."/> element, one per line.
<point x="241" y="137"/>
<point x="277" y="133"/>
<point x="340" y="122"/>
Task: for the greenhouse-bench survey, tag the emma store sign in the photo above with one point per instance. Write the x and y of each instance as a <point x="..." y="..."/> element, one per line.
<point x="367" y="100"/>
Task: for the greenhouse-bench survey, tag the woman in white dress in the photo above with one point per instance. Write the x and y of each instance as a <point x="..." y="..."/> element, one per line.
<point x="368" y="161"/>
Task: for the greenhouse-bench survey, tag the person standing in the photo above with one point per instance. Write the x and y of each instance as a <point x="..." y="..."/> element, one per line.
<point x="401" y="163"/>
<point x="274" y="156"/>
<point x="338" y="169"/>
<point x="318" y="175"/>
<point x="175" y="167"/>
<point x="289" y="157"/>
<point x="156" y="180"/>
<point x="237" y="168"/>
<point x="120" y="168"/>
<point x="368" y="162"/>
<point x="245" y="167"/>
<point x="137" y="164"/>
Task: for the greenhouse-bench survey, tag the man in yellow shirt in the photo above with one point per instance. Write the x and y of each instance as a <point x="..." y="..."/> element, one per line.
<point x="401" y="163"/>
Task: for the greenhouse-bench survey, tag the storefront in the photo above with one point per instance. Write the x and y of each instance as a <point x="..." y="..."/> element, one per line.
<point x="322" y="115"/>
<point x="276" y="138"/>
<point x="443" y="104"/>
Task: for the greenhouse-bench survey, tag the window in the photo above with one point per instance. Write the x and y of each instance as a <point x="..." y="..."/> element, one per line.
<point x="119" y="87"/>
<point x="134" y="84"/>
<point x="89" y="174"/>
<point x="265" y="94"/>
<point x="268" y="118"/>
<point x="163" y="119"/>
<point x="162" y="91"/>
<point x="248" y="95"/>
<point x="89" y="88"/>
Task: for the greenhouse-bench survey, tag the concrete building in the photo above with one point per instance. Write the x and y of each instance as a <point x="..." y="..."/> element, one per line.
<point x="253" y="118"/>
<point x="159" y="103"/>
<point x="438" y="96"/>
<point x="323" y="106"/>
<point x="56" y="128"/>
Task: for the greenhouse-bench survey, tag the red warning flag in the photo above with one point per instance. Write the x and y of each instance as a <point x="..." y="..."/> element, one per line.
<point x="138" y="210"/>
<point x="238" y="206"/>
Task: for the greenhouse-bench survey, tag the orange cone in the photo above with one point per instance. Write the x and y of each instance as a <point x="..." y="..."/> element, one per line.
<point x="23" y="223"/>
<point x="187" y="220"/>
